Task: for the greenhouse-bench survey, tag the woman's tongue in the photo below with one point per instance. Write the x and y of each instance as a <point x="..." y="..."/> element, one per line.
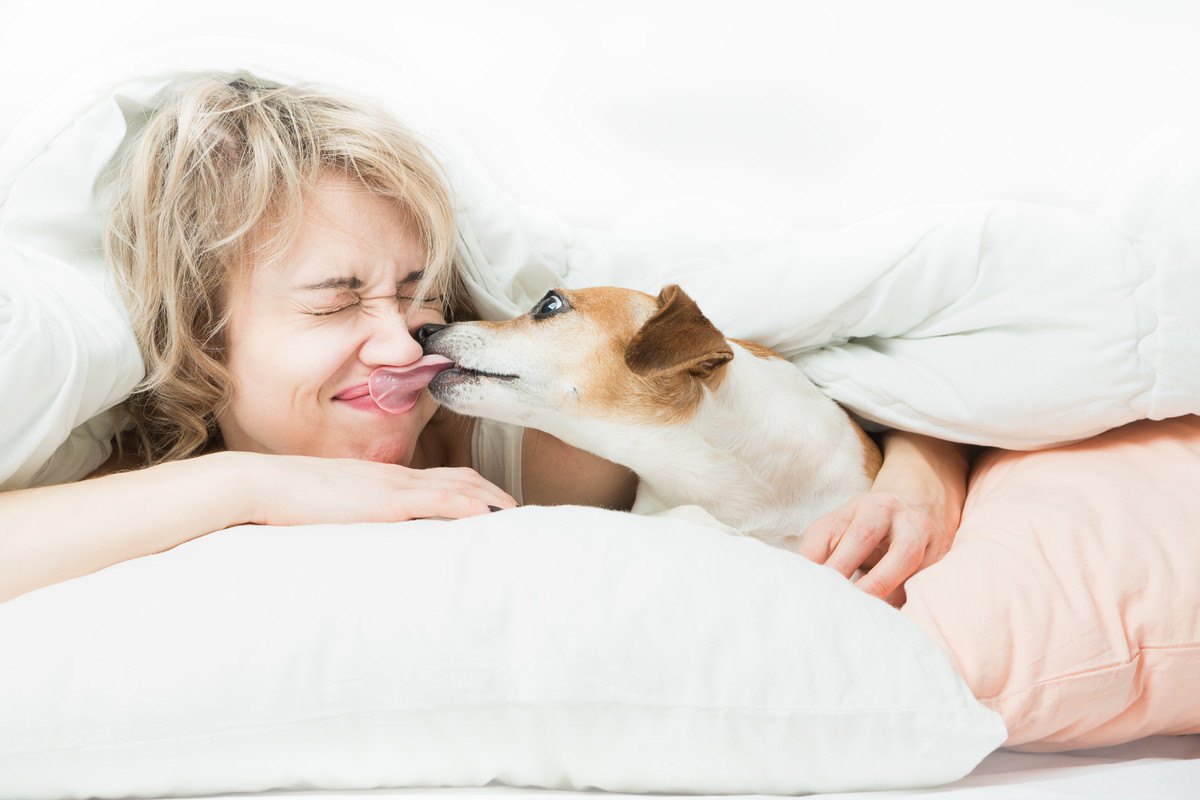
<point x="396" y="389"/>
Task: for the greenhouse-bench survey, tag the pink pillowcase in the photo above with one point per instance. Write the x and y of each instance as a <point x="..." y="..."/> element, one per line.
<point x="1070" y="601"/>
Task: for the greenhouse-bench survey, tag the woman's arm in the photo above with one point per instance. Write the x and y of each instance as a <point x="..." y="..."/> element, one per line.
<point x="53" y="533"/>
<point x="905" y="523"/>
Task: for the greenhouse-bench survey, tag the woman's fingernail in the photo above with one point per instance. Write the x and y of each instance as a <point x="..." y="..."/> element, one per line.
<point x="493" y="508"/>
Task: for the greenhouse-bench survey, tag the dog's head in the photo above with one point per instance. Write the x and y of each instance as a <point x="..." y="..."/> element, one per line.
<point x="598" y="353"/>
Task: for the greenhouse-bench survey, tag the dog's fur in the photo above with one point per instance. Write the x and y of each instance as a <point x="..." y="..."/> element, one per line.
<point x="651" y="384"/>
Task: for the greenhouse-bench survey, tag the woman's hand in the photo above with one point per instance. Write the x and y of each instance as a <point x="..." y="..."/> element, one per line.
<point x="889" y="535"/>
<point x="303" y="490"/>
<point x="905" y="523"/>
<point x="53" y="533"/>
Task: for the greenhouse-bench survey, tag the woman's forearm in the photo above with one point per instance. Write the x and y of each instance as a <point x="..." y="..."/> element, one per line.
<point x="927" y="471"/>
<point x="53" y="533"/>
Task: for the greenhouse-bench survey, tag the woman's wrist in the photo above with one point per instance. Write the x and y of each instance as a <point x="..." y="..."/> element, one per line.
<point x="237" y="477"/>
<point x="930" y="473"/>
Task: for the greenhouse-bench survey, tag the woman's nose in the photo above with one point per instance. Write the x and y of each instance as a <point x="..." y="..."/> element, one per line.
<point x="425" y="331"/>
<point x="390" y="342"/>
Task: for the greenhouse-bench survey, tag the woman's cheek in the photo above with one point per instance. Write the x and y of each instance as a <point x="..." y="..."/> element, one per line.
<point x="330" y="356"/>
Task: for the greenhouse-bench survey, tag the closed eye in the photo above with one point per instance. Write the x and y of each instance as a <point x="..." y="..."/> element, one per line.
<point x="431" y="302"/>
<point x="331" y="311"/>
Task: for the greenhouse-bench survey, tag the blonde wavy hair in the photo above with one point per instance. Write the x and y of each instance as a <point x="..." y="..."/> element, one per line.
<point x="216" y="182"/>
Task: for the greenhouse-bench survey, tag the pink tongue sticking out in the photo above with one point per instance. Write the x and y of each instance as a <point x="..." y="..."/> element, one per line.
<point x="396" y="389"/>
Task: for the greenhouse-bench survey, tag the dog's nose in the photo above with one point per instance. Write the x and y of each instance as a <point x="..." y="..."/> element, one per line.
<point x="425" y="331"/>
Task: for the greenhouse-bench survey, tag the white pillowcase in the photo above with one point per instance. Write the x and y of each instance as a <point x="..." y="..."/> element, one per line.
<point x="551" y="647"/>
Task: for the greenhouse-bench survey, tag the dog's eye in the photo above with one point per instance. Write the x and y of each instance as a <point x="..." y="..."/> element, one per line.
<point x="549" y="305"/>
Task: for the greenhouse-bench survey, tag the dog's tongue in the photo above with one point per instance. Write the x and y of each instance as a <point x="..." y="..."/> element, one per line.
<point x="395" y="389"/>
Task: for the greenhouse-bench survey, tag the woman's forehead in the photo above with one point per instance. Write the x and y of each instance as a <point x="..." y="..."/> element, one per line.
<point x="346" y="232"/>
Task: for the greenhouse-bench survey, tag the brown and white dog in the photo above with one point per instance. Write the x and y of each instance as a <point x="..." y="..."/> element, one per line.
<point x="651" y="384"/>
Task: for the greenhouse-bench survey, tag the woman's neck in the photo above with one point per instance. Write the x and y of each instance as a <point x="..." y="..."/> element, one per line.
<point x="445" y="441"/>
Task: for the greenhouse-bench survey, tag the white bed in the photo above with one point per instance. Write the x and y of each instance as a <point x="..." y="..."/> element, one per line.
<point x="1157" y="768"/>
<point x="889" y="106"/>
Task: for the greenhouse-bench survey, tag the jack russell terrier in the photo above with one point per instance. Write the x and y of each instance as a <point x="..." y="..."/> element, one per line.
<point x="651" y="384"/>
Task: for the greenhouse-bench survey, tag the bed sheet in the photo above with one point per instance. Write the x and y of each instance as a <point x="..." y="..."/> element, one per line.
<point x="1155" y="768"/>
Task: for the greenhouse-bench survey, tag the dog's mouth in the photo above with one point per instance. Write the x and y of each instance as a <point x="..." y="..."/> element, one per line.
<point x="459" y="373"/>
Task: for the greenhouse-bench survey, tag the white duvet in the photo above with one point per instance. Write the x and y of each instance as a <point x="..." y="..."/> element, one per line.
<point x="1012" y="325"/>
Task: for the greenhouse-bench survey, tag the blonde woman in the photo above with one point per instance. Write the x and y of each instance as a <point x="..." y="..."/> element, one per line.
<point x="277" y="244"/>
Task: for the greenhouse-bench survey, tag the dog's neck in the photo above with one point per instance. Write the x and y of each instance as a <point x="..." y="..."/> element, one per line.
<point x="744" y="452"/>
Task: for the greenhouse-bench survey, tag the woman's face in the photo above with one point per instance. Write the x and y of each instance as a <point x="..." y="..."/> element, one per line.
<point x="305" y="333"/>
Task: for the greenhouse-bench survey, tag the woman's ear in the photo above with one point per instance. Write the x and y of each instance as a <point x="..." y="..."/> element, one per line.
<point x="677" y="338"/>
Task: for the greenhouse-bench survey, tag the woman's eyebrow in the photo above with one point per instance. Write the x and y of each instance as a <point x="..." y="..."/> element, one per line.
<point x="412" y="277"/>
<point x="335" y="283"/>
<point x="353" y="283"/>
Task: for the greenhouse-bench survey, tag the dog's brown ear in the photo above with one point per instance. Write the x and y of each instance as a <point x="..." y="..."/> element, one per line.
<point x="678" y="337"/>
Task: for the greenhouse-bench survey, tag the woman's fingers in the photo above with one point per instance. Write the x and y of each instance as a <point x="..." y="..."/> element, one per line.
<point x="902" y="559"/>
<point x="308" y="490"/>
<point x="913" y="546"/>
<point x="868" y="529"/>
<point x="817" y="542"/>
<point x="437" y="502"/>
<point x="461" y="480"/>
<point x="471" y="482"/>
<point x="878" y="532"/>
<point x="488" y="497"/>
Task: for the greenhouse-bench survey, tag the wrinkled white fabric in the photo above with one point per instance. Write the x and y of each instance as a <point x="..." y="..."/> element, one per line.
<point x="1011" y="325"/>
<point x="1005" y="324"/>
<point x="560" y="647"/>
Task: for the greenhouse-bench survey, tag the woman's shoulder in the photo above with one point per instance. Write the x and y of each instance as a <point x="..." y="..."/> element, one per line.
<point x="556" y="473"/>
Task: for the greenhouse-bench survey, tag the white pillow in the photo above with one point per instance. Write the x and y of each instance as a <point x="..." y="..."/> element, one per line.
<point x="552" y="647"/>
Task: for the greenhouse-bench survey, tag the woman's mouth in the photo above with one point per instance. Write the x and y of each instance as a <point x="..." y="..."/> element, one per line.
<point x="364" y="403"/>
<point x="359" y="397"/>
<point x="354" y="392"/>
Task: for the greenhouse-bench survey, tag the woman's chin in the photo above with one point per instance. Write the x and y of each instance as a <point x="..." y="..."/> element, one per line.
<point x="388" y="447"/>
<point x="389" y="455"/>
<point x="394" y="444"/>
<point x="369" y="435"/>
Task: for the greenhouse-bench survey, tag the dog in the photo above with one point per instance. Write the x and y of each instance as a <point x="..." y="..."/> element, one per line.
<point x="650" y="383"/>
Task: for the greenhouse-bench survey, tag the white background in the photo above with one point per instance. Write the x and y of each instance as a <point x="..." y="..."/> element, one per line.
<point x="819" y="112"/>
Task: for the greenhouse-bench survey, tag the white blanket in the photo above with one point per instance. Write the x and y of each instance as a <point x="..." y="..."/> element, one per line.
<point x="1011" y="325"/>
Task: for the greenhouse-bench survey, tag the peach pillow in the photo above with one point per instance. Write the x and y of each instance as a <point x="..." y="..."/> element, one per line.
<point x="1070" y="601"/>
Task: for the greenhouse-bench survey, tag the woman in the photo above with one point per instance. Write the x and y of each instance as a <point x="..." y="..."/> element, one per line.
<point x="275" y="246"/>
